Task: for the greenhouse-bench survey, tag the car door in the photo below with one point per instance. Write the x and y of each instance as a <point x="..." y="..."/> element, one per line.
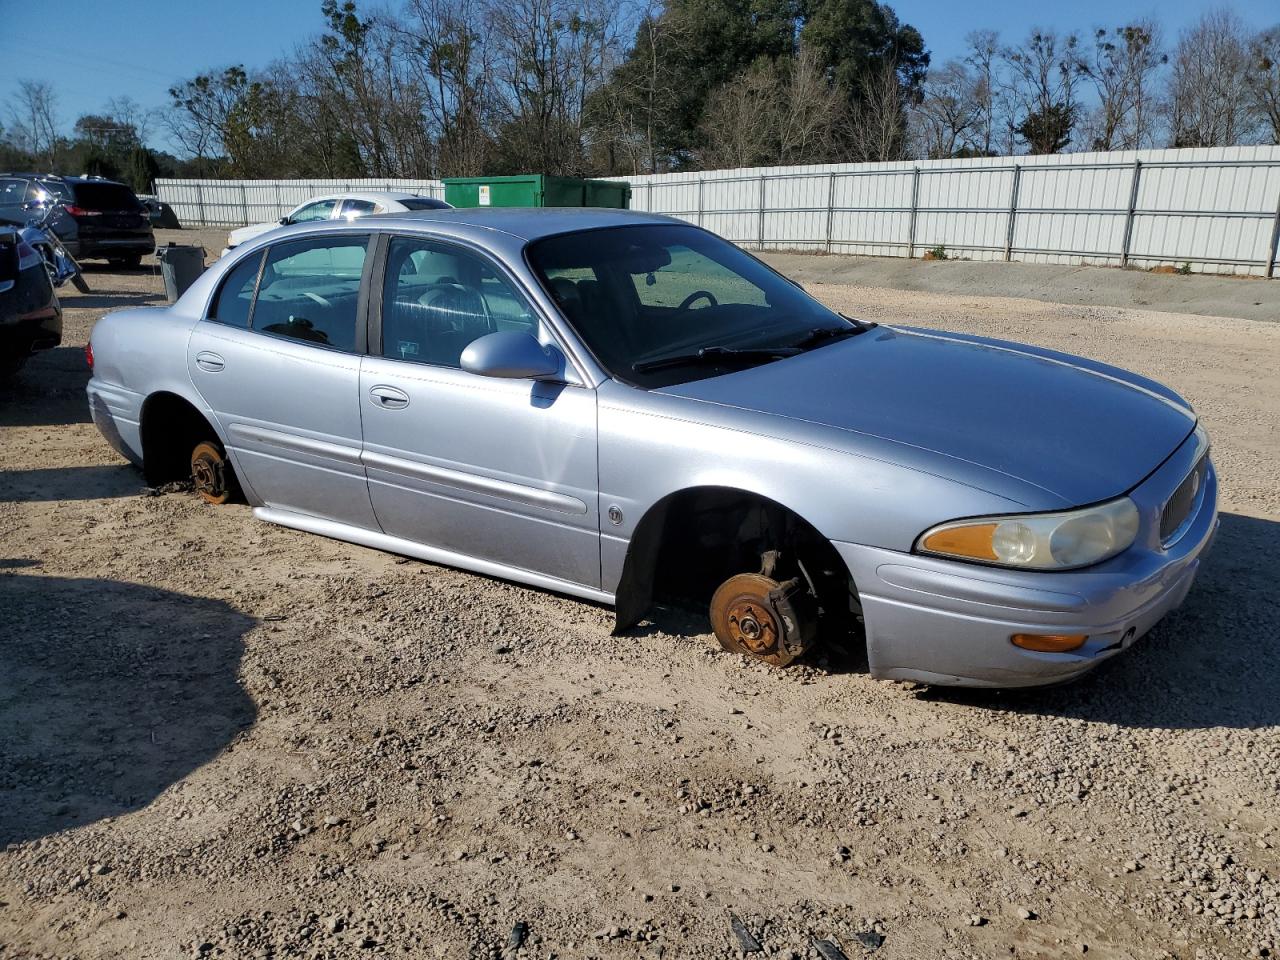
<point x="278" y="361"/>
<point x="498" y="470"/>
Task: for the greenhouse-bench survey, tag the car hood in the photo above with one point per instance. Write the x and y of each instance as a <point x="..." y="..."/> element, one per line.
<point x="245" y="234"/>
<point x="1081" y="431"/>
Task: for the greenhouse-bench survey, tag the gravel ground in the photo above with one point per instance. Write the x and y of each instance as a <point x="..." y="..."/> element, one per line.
<point x="220" y="738"/>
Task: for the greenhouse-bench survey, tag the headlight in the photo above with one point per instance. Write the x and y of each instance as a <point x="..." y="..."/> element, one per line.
<point x="1038" y="541"/>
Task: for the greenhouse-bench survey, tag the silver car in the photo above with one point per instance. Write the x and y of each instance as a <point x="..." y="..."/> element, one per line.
<point x="632" y="410"/>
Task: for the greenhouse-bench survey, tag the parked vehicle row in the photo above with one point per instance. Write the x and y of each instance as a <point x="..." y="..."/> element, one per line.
<point x="626" y="408"/>
<point x="59" y="263"/>
<point x="338" y="206"/>
<point x="95" y="219"/>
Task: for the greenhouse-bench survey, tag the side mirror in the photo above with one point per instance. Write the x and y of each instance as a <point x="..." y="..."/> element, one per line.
<point x="511" y="355"/>
<point x="285" y="221"/>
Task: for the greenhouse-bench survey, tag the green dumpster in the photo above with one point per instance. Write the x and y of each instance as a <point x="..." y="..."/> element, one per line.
<point x="536" y="190"/>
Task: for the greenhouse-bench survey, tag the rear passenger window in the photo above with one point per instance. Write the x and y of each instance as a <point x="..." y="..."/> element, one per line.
<point x="310" y="289"/>
<point x="235" y="298"/>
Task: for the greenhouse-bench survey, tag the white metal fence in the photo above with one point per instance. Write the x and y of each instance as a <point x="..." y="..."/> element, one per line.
<point x="1217" y="210"/>
<point x="235" y="203"/>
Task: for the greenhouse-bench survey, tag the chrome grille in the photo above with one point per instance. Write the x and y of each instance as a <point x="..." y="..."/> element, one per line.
<point x="1180" y="505"/>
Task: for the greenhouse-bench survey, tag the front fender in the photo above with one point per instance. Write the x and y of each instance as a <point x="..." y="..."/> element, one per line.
<point x="654" y="446"/>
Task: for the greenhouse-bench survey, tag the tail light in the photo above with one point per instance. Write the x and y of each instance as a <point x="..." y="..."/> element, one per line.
<point x="88" y="354"/>
<point x="75" y="211"/>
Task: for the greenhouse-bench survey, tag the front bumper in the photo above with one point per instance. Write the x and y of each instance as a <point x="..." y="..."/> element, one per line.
<point x="942" y="622"/>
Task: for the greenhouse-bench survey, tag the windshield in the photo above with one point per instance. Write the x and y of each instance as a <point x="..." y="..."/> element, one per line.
<point x="650" y="293"/>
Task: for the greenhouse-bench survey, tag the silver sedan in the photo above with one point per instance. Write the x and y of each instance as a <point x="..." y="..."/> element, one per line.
<point x="629" y="409"/>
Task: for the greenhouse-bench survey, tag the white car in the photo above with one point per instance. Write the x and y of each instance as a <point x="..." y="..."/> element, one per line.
<point x="339" y="206"/>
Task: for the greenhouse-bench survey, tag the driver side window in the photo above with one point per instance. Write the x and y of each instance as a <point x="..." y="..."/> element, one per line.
<point x="689" y="277"/>
<point x="438" y="298"/>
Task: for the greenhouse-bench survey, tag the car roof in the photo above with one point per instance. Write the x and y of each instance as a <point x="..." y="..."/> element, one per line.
<point x="527" y="223"/>
<point x="379" y="195"/>
<point x="63" y="179"/>
<point x="79" y="180"/>
<point x="384" y="195"/>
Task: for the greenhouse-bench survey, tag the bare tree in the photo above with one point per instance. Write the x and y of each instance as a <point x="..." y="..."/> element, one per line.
<point x="381" y="105"/>
<point x="876" y="131"/>
<point x="1121" y="68"/>
<point x="206" y="118"/>
<point x="634" y="111"/>
<point x="1208" y="97"/>
<point x="128" y="113"/>
<point x="811" y="111"/>
<point x="951" y="112"/>
<point x="452" y="60"/>
<point x="550" y="56"/>
<point x="1262" y="81"/>
<point x="984" y="49"/>
<point x="34" y="119"/>
<point x="1044" y="72"/>
<point x="741" y="121"/>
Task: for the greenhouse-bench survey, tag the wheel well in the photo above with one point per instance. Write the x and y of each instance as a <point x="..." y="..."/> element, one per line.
<point x="690" y="542"/>
<point x="171" y="427"/>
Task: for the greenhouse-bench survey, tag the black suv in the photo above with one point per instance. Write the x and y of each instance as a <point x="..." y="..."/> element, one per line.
<point x="98" y="219"/>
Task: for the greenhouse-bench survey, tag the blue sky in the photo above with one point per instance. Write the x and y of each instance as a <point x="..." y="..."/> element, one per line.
<point x="91" y="50"/>
<point x="944" y="24"/>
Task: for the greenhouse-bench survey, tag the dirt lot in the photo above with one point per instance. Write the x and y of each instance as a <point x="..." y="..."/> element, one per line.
<point x="221" y="738"/>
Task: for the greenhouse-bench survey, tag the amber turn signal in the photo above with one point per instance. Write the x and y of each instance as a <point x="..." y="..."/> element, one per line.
<point x="970" y="540"/>
<point x="1049" y="642"/>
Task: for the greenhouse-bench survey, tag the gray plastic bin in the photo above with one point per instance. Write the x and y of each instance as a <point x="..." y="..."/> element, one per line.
<point x="179" y="265"/>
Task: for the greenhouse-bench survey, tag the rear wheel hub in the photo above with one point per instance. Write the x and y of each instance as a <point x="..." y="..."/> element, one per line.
<point x="209" y="473"/>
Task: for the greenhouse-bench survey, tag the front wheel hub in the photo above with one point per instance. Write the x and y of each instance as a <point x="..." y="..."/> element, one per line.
<point x="746" y="621"/>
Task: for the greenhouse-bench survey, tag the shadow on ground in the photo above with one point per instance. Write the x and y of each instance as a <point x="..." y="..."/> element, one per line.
<point x="49" y="390"/>
<point x="70" y="483"/>
<point x="111" y="300"/>
<point x="109" y="693"/>
<point x="1214" y="662"/>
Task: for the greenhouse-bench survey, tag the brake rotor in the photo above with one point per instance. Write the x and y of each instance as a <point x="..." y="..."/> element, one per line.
<point x="209" y="473"/>
<point x="745" y="620"/>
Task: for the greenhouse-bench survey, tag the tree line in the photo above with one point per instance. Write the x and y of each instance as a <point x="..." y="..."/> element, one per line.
<point x="590" y="87"/>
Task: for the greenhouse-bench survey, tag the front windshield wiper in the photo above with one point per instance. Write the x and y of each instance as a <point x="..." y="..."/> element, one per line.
<point x="715" y="355"/>
<point x="821" y="335"/>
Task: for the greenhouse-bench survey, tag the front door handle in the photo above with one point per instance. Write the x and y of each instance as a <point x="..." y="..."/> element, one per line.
<point x="209" y="361"/>
<point x="389" y="398"/>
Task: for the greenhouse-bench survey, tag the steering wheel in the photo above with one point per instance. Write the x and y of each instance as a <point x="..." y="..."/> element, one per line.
<point x="460" y="306"/>
<point x="694" y="297"/>
<point x="317" y="298"/>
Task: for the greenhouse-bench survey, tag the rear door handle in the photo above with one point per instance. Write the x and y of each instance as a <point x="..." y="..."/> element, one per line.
<point x="209" y="361"/>
<point x="389" y="398"/>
